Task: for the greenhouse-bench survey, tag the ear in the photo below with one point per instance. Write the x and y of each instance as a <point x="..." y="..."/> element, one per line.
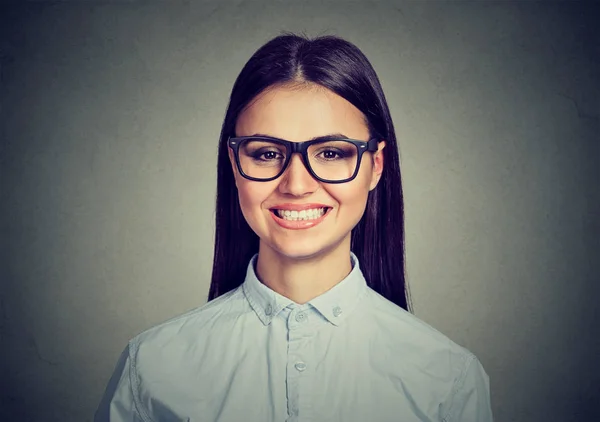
<point x="377" y="165"/>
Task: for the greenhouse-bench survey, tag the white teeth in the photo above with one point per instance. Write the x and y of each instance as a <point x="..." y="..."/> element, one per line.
<point x="293" y="215"/>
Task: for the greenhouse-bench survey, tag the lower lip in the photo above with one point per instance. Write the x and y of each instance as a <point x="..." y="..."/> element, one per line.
<point x="298" y="224"/>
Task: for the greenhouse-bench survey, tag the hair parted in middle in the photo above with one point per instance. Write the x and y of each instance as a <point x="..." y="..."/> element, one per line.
<point x="335" y="64"/>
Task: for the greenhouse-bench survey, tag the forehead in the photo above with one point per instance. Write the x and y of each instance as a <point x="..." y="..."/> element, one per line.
<point x="297" y="114"/>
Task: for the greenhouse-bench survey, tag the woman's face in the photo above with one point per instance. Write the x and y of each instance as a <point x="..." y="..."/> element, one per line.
<point x="297" y="115"/>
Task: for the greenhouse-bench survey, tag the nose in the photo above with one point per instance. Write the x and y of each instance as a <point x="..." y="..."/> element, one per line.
<point x="296" y="179"/>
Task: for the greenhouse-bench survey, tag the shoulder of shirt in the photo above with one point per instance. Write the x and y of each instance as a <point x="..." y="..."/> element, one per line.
<point x="158" y="351"/>
<point x="190" y="322"/>
<point x="416" y="354"/>
<point x="412" y="332"/>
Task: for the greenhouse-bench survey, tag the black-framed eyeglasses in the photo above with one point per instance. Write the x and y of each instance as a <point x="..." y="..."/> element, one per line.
<point x="331" y="160"/>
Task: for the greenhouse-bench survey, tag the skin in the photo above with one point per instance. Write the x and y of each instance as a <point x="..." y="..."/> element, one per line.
<point x="303" y="264"/>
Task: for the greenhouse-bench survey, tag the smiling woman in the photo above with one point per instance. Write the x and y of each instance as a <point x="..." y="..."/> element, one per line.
<point x="304" y="263"/>
<point x="308" y="315"/>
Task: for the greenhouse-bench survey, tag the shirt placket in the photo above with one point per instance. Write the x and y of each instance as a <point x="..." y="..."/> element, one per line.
<point x="299" y="369"/>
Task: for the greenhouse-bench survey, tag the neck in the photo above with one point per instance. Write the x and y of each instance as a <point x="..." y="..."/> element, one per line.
<point x="303" y="279"/>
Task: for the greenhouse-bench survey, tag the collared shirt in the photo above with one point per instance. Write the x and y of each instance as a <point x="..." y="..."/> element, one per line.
<point x="253" y="355"/>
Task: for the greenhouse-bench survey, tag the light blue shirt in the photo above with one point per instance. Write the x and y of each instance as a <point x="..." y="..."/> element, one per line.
<point x="253" y="355"/>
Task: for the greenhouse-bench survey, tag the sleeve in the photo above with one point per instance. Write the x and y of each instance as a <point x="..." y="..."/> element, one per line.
<point x="118" y="404"/>
<point x="470" y="396"/>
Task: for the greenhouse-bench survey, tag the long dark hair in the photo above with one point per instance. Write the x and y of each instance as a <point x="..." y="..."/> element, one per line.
<point x="338" y="65"/>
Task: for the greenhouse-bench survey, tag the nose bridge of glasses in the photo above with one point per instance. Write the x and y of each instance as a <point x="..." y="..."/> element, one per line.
<point x="298" y="157"/>
<point x="294" y="149"/>
<point x="298" y="146"/>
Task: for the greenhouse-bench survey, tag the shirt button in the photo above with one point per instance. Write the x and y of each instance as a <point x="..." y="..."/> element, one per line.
<point x="268" y="310"/>
<point x="301" y="317"/>
<point x="337" y="311"/>
<point x="300" y="366"/>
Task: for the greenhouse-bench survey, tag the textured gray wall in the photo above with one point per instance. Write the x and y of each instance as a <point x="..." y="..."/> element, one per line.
<point x="110" y="120"/>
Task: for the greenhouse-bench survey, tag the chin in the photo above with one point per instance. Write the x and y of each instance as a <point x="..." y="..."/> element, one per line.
<point x="300" y="250"/>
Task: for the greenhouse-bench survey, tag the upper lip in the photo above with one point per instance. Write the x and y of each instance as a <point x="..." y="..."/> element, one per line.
<point x="298" y="207"/>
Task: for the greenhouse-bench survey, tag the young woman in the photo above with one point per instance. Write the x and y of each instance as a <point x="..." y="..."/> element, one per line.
<point x="308" y="317"/>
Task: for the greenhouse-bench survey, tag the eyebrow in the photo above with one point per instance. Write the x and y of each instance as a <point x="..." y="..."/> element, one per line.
<point x="316" y="138"/>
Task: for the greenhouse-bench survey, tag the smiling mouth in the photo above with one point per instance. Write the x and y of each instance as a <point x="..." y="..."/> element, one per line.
<point x="304" y="215"/>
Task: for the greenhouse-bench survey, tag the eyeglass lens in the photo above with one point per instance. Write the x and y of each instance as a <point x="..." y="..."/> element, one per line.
<point x="330" y="160"/>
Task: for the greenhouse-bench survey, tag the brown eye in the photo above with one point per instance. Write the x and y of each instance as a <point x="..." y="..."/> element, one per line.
<point x="330" y="154"/>
<point x="269" y="155"/>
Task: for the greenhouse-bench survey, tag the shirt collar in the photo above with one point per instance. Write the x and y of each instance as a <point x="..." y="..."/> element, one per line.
<point x="335" y="304"/>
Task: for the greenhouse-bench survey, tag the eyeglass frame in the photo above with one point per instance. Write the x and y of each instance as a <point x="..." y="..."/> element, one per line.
<point x="371" y="145"/>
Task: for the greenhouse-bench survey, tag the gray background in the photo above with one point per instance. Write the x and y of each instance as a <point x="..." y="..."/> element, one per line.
<point x="110" y="118"/>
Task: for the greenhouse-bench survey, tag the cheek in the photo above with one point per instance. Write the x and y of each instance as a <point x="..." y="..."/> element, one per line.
<point x="352" y="197"/>
<point x="251" y="196"/>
